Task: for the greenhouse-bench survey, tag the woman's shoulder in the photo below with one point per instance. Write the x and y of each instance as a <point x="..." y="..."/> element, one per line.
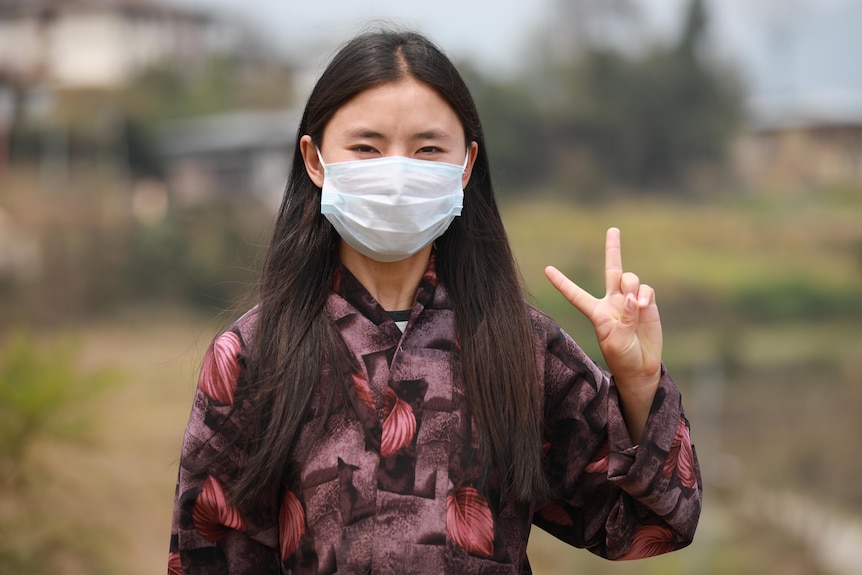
<point x="540" y="321"/>
<point x="550" y="337"/>
<point x="245" y="326"/>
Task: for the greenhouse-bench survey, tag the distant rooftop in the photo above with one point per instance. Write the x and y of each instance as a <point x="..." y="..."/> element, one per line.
<point x="229" y="132"/>
<point x="820" y="108"/>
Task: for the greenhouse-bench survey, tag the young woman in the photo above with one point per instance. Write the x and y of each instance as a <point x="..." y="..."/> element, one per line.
<point x="392" y="404"/>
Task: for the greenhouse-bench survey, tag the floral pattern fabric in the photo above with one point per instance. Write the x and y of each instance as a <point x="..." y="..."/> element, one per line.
<point x="392" y="484"/>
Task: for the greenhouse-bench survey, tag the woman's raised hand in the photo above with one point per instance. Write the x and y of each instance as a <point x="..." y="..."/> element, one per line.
<point x="626" y="321"/>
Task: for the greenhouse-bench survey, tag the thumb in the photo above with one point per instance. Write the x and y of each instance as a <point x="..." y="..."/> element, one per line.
<point x="584" y="302"/>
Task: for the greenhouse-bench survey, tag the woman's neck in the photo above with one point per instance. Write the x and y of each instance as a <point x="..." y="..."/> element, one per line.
<point x="394" y="284"/>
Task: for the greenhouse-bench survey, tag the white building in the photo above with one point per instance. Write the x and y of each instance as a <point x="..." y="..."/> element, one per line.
<point x="99" y="43"/>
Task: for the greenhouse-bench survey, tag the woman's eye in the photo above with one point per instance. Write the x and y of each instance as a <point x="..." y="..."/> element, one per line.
<point x="362" y="149"/>
<point x="429" y="150"/>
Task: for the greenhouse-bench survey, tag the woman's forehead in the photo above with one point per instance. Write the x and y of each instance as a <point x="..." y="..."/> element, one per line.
<point x="406" y="106"/>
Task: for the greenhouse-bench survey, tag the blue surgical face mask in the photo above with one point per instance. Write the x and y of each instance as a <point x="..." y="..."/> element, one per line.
<point x="390" y="208"/>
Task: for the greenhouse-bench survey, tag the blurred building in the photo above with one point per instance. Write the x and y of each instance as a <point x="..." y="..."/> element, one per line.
<point x="241" y="154"/>
<point x="808" y="142"/>
<point x="61" y="61"/>
<point x="98" y="43"/>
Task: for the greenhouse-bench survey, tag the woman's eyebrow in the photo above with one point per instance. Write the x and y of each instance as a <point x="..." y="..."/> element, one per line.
<point x="433" y="134"/>
<point x="363" y="132"/>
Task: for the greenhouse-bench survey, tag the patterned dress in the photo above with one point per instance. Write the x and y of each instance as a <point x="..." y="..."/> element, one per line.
<point x="390" y="486"/>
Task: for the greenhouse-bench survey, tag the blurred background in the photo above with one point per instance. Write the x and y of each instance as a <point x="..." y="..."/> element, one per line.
<point x="144" y="145"/>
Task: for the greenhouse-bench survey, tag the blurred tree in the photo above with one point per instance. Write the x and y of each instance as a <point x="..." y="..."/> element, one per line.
<point x="515" y="131"/>
<point x="639" y="115"/>
<point x="141" y="159"/>
<point x="223" y="82"/>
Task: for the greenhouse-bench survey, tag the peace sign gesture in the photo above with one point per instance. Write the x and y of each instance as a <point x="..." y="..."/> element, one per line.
<point x="628" y="329"/>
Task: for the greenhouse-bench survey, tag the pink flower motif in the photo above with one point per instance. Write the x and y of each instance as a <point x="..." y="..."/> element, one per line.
<point x="599" y="464"/>
<point x="291" y="522"/>
<point x="220" y="370"/>
<point x="681" y="457"/>
<point x="469" y="522"/>
<point x="649" y="541"/>
<point x="363" y="390"/>
<point x="554" y="513"/>
<point x="399" y="424"/>
<point x="212" y="514"/>
<point x="174" y="565"/>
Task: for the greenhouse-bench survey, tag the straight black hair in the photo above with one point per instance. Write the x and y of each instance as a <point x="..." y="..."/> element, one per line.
<point x="294" y="335"/>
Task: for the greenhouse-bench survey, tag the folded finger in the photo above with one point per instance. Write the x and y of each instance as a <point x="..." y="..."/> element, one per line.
<point x="629" y="283"/>
<point x="645" y="295"/>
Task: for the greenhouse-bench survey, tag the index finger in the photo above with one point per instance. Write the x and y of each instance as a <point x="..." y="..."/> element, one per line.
<point x="613" y="262"/>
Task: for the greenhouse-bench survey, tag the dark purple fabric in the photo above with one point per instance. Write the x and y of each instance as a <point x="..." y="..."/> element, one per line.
<point x="391" y="484"/>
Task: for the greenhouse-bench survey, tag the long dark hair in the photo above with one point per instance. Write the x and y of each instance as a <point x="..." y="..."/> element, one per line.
<point x="474" y="262"/>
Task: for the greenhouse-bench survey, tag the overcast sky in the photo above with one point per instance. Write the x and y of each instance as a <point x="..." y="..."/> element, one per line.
<point x="799" y="48"/>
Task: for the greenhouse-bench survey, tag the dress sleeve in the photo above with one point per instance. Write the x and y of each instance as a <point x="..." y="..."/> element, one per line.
<point x="209" y="535"/>
<point x="619" y="500"/>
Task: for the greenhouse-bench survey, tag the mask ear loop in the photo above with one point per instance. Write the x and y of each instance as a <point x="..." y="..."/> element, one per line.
<point x="322" y="163"/>
<point x="463" y="171"/>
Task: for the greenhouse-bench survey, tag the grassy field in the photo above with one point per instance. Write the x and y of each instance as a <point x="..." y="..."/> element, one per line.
<point x="761" y="300"/>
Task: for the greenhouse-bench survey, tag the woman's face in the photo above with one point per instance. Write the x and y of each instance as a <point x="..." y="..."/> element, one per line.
<point x="403" y="118"/>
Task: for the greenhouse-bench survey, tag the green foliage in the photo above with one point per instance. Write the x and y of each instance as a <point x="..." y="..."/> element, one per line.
<point x="647" y="121"/>
<point x="513" y="124"/>
<point x="198" y="258"/>
<point x="141" y="159"/>
<point x="795" y="301"/>
<point x="41" y="397"/>
<point x="651" y="119"/>
<point x="220" y="84"/>
<point x="166" y="91"/>
<point x="598" y="114"/>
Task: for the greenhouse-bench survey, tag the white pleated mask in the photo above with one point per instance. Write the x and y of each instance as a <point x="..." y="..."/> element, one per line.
<point x="390" y="208"/>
